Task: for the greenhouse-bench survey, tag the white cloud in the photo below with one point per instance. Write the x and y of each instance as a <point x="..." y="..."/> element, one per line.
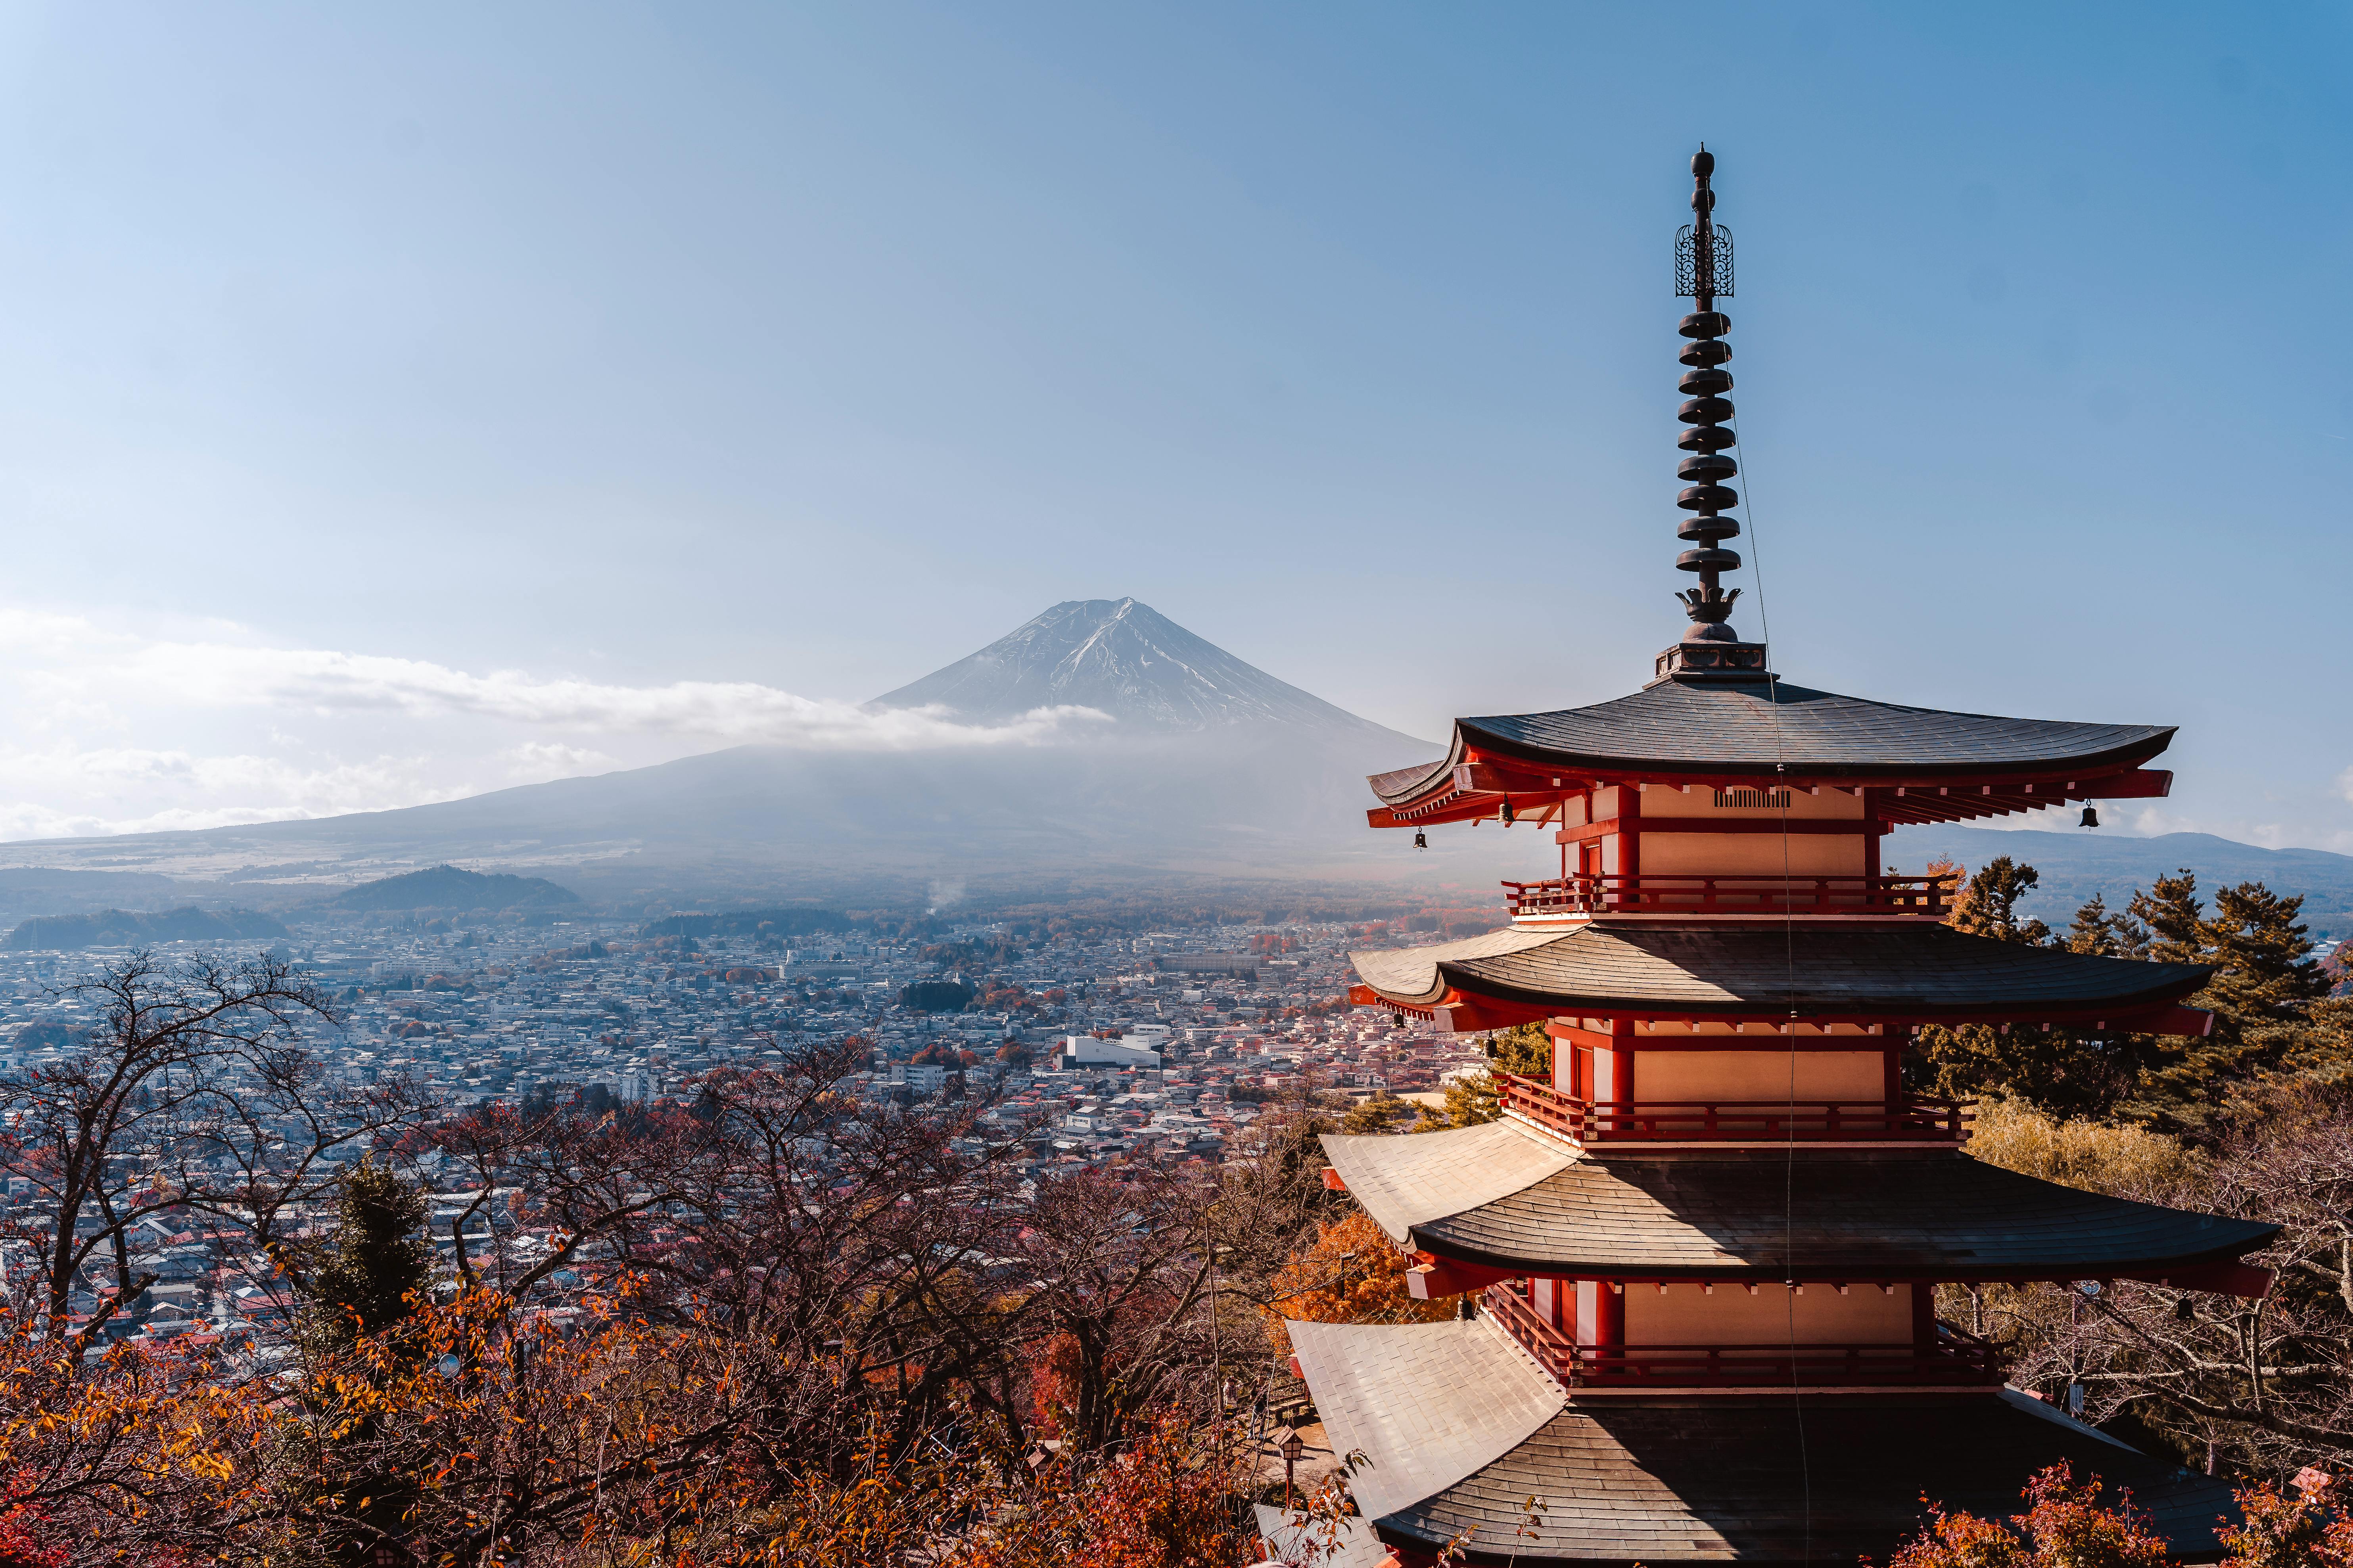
<point x="124" y="733"/>
<point x="222" y="675"/>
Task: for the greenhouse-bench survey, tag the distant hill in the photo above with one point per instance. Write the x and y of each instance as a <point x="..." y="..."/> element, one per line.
<point x="450" y="888"/>
<point x="2075" y="866"/>
<point x="55" y="890"/>
<point x="126" y="928"/>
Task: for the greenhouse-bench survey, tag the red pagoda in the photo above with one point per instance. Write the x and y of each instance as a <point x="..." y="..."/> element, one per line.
<point x="1705" y="1252"/>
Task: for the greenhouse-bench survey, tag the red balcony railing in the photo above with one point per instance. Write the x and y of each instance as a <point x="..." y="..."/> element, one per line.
<point x="1666" y="893"/>
<point x="1956" y="1357"/>
<point x="1907" y="1120"/>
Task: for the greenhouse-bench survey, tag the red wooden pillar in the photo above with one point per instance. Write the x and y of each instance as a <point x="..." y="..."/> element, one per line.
<point x="1629" y="832"/>
<point x="1621" y="1051"/>
<point x="1608" y="1315"/>
<point x="1924" y="1317"/>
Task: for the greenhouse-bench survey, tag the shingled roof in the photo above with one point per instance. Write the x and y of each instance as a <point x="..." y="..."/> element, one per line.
<point x="1918" y="971"/>
<point x="1460" y="1428"/>
<point x="1769" y="1479"/>
<point x="1507" y="1196"/>
<point x="1719" y="727"/>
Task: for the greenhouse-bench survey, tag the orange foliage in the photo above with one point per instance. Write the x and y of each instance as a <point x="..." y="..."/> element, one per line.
<point x="2064" y="1527"/>
<point x="1354" y="1274"/>
<point x="2309" y="1531"/>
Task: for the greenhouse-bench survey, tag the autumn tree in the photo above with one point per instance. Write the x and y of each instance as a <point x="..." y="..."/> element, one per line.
<point x="1352" y="1274"/>
<point x="2063" y="1526"/>
<point x="182" y="1101"/>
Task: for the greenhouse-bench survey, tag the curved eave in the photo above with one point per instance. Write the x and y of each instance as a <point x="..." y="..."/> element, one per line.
<point x="1471" y="736"/>
<point x="1509" y="1199"/>
<point x="1900" y="972"/>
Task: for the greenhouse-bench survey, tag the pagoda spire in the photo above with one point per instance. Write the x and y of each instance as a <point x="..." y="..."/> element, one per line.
<point x="1703" y="273"/>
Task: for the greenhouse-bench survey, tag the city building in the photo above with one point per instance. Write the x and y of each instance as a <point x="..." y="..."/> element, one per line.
<point x="1706" y="1251"/>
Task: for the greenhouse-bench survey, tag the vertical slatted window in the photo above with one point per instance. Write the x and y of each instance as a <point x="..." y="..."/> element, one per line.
<point x="1753" y="799"/>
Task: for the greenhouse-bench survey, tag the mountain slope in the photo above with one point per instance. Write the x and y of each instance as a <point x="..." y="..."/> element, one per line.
<point x="1210" y="766"/>
<point x="1126" y="659"/>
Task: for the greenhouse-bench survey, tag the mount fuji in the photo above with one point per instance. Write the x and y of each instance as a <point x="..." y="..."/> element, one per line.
<point x="1179" y="759"/>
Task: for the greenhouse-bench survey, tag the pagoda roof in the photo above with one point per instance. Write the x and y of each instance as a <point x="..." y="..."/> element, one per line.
<point x="1767" y="726"/>
<point x="1919" y="969"/>
<point x="1507" y="1196"/>
<point x="1679" y="1479"/>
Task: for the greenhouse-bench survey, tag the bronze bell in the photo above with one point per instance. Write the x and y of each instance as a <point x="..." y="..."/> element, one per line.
<point x="1420" y="839"/>
<point x="2091" y="817"/>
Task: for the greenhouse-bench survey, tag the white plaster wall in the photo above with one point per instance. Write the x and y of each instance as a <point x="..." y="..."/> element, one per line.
<point x="1687" y="1315"/>
<point x="1752" y="854"/>
<point x="1759" y="1075"/>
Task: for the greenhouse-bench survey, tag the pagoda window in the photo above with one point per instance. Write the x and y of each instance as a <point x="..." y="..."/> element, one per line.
<point x="1758" y="806"/>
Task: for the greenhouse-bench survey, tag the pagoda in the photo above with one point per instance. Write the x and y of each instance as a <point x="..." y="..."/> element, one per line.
<point x="1704" y="1253"/>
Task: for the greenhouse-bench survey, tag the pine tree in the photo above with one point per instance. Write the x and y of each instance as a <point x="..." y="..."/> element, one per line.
<point x="2175" y="920"/>
<point x="2269" y="974"/>
<point x="1524" y="1049"/>
<point x="2268" y="996"/>
<point x="2105" y="933"/>
<point x="1988" y="905"/>
<point x="378" y="1259"/>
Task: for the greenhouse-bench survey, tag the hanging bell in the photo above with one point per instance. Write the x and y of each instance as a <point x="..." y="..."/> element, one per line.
<point x="2183" y="1311"/>
<point x="2091" y="817"/>
<point x="1420" y="839"/>
<point x="1505" y="815"/>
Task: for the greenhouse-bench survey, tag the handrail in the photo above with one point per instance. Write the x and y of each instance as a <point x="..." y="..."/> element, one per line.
<point x="1955" y="1356"/>
<point x="1758" y="893"/>
<point x="1906" y="1120"/>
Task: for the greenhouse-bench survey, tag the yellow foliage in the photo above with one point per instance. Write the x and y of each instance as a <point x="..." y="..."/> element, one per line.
<point x="2096" y="1158"/>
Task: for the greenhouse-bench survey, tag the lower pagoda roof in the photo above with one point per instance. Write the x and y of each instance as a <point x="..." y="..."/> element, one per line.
<point x="1507" y="1196"/>
<point x="1462" y="1430"/>
<point x="1910" y="971"/>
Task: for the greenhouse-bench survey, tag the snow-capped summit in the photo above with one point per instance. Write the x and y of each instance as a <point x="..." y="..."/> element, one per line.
<point x="1126" y="659"/>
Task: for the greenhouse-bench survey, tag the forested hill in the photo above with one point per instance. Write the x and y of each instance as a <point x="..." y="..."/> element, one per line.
<point x="128" y="928"/>
<point x="450" y="888"/>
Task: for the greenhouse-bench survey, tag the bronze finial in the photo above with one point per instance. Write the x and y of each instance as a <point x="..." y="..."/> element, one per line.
<point x="1702" y="273"/>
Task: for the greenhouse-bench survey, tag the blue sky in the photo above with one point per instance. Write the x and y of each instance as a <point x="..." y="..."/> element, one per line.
<point x="401" y="401"/>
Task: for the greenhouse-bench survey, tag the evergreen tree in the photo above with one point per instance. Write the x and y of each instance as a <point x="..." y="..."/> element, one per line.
<point x="1525" y="1051"/>
<point x="2175" y="920"/>
<point x="2269" y="974"/>
<point x="2268" y="996"/>
<point x="2105" y="933"/>
<point x="1988" y="904"/>
<point x="379" y="1257"/>
<point x="2058" y="1071"/>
